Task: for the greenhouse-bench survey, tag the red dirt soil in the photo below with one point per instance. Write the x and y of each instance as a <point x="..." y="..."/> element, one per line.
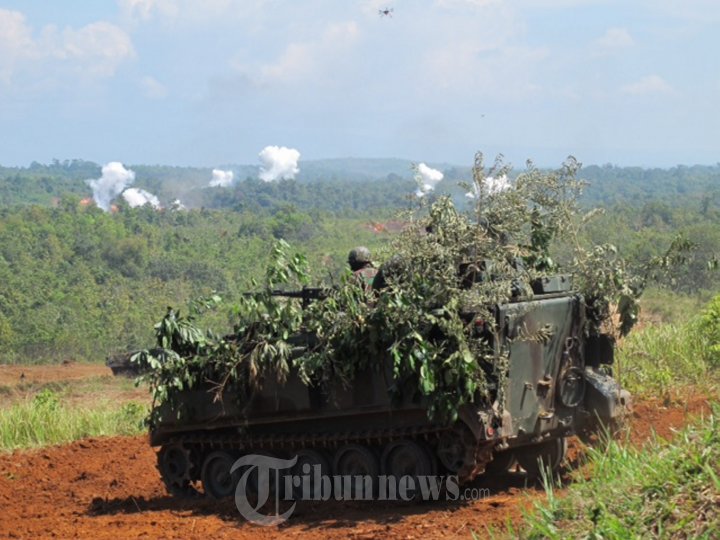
<point x="16" y="375"/>
<point x="665" y="418"/>
<point x="110" y="488"/>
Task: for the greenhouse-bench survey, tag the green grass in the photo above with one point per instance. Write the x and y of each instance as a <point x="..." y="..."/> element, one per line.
<point x="662" y="490"/>
<point x="45" y="420"/>
<point x="666" y="306"/>
<point x="656" y="359"/>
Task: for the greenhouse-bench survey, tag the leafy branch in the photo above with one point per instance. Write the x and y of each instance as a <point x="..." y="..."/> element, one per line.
<point x="431" y="316"/>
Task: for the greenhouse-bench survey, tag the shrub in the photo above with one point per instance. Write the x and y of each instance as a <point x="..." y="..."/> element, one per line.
<point x="709" y="326"/>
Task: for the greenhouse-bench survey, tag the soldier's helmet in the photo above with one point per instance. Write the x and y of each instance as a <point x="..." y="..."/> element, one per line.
<point x="358" y="257"/>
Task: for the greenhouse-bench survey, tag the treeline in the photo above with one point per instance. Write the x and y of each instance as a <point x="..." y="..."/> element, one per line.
<point x="339" y="197"/>
<point x="342" y="186"/>
<point x="49" y="185"/>
<point x="646" y="232"/>
<point x="636" y="186"/>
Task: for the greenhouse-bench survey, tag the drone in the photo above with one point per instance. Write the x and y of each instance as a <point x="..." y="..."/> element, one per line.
<point x="387" y="12"/>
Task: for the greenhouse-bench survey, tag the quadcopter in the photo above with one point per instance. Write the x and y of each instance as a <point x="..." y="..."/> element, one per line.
<point x="387" y="12"/>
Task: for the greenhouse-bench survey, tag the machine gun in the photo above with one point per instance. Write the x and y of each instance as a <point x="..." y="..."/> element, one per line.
<point x="306" y="294"/>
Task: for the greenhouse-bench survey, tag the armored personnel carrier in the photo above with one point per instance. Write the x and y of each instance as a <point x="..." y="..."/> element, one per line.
<point x="555" y="387"/>
<point x="121" y="364"/>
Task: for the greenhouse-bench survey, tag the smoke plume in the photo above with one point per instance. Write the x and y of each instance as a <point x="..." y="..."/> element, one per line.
<point x="491" y="185"/>
<point x="427" y="178"/>
<point x="221" y="178"/>
<point x="177" y="205"/>
<point x="139" y="197"/>
<point x="115" y="178"/>
<point x="278" y="162"/>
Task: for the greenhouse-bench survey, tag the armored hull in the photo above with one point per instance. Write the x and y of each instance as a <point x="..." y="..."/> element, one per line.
<point x="557" y="384"/>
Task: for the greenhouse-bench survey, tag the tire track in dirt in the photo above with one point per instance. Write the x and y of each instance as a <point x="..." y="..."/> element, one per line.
<point x="109" y="488"/>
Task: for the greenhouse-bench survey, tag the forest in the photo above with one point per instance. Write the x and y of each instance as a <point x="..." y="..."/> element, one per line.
<point x="79" y="283"/>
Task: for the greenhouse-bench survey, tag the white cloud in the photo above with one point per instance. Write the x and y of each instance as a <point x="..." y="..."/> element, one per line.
<point x="479" y="53"/>
<point x="146" y="9"/>
<point x="139" y="197"/>
<point x="94" y="50"/>
<point x="152" y="88"/>
<point x="298" y="59"/>
<point x="304" y="59"/>
<point x="190" y="11"/>
<point x="488" y="69"/>
<point x="99" y="47"/>
<point x="16" y="42"/>
<point x="615" y="39"/>
<point x="221" y="178"/>
<point x="278" y="162"/>
<point x="652" y="84"/>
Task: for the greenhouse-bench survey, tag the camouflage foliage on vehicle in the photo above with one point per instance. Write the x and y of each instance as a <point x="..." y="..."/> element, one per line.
<point x="446" y="270"/>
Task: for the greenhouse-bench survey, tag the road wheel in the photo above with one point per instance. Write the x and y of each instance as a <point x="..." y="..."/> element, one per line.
<point x="355" y="460"/>
<point x="406" y="458"/>
<point x="313" y="459"/>
<point x="547" y="455"/>
<point x="456" y="452"/>
<point x="217" y="480"/>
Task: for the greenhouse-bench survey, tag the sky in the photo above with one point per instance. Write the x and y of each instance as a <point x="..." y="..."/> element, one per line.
<point x="213" y="82"/>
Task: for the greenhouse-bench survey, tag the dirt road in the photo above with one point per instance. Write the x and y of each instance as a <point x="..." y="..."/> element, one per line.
<point x="109" y="488"/>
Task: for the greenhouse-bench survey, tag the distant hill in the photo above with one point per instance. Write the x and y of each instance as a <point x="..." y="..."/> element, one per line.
<point x="358" y="169"/>
<point x="610" y="184"/>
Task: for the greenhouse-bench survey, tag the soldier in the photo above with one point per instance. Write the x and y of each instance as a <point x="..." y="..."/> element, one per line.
<point x="361" y="265"/>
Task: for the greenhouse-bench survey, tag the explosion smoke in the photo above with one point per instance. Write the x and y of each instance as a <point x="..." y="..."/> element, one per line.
<point x="177" y="205"/>
<point x="139" y="197"/>
<point x="278" y="162"/>
<point x="491" y="185"/>
<point x="221" y="178"/>
<point x="427" y="178"/>
<point x="115" y="178"/>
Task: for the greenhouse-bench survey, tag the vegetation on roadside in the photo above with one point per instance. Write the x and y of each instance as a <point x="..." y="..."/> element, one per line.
<point x="663" y="305"/>
<point x="666" y="489"/>
<point x="45" y="420"/>
<point x="661" y="357"/>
